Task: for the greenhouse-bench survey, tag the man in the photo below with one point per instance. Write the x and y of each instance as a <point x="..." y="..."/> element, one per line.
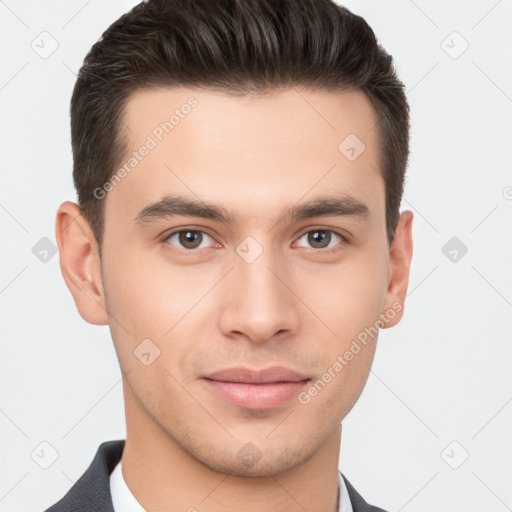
<point x="239" y="167"/>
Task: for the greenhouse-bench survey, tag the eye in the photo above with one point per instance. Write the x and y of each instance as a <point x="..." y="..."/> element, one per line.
<point x="323" y="239"/>
<point x="189" y="239"/>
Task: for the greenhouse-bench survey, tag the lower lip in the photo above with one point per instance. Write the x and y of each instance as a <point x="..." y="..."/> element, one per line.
<point x="256" y="396"/>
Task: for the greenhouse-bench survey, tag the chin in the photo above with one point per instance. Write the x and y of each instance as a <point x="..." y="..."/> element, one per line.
<point x="251" y="459"/>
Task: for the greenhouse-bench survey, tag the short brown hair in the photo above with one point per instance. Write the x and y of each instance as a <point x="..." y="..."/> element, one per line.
<point x="239" y="47"/>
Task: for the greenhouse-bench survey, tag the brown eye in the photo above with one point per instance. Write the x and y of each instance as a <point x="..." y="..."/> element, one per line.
<point x="318" y="238"/>
<point x="189" y="239"/>
<point x="322" y="238"/>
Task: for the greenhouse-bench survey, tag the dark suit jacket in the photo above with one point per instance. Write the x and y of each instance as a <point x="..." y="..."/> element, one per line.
<point x="91" y="493"/>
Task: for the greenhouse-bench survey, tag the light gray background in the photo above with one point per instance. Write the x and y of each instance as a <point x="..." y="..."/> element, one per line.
<point x="441" y="378"/>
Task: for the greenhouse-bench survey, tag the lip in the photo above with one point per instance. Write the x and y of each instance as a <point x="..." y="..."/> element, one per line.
<point x="256" y="389"/>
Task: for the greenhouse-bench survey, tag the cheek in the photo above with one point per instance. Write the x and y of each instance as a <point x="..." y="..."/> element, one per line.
<point x="347" y="296"/>
<point x="149" y="294"/>
<point x="150" y="299"/>
<point x="133" y="301"/>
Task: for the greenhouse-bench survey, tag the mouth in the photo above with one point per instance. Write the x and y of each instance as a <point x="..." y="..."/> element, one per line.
<point x="256" y="389"/>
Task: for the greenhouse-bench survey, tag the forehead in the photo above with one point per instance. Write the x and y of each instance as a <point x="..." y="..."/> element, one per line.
<point x="248" y="152"/>
<point x="287" y="113"/>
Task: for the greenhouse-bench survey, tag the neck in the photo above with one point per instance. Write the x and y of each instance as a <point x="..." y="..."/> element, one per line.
<point x="163" y="476"/>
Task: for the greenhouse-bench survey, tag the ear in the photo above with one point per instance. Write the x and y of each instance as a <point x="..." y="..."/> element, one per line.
<point x="400" y="257"/>
<point x="80" y="263"/>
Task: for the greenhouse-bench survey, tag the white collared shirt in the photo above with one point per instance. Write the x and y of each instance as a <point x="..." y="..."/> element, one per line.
<point x="124" y="500"/>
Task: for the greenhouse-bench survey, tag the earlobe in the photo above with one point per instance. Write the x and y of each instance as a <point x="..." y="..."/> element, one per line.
<point x="400" y="257"/>
<point x="80" y="263"/>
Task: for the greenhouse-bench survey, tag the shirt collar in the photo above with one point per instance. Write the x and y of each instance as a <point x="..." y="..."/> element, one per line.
<point x="125" y="501"/>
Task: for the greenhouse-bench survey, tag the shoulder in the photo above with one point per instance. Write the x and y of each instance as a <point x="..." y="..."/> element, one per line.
<point x="91" y="492"/>
<point x="359" y="504"/>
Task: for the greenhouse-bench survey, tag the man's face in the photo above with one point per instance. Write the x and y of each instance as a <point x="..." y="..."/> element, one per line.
<point x="257" y="290"/>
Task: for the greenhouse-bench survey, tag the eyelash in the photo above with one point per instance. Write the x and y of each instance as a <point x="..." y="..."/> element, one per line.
<point x="191" y="252"/>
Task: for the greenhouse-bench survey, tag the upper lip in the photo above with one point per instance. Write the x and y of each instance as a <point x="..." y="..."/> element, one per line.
<point x="265" y="376"/>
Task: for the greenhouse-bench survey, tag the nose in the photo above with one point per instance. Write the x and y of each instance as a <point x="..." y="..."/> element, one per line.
<point x="259" y="303"/>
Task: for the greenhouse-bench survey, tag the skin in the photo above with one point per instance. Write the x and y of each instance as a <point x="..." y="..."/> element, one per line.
<point x="295" y="306"/>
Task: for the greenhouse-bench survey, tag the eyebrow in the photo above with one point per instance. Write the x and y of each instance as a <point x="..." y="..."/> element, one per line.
<point x="174" y="205"/>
